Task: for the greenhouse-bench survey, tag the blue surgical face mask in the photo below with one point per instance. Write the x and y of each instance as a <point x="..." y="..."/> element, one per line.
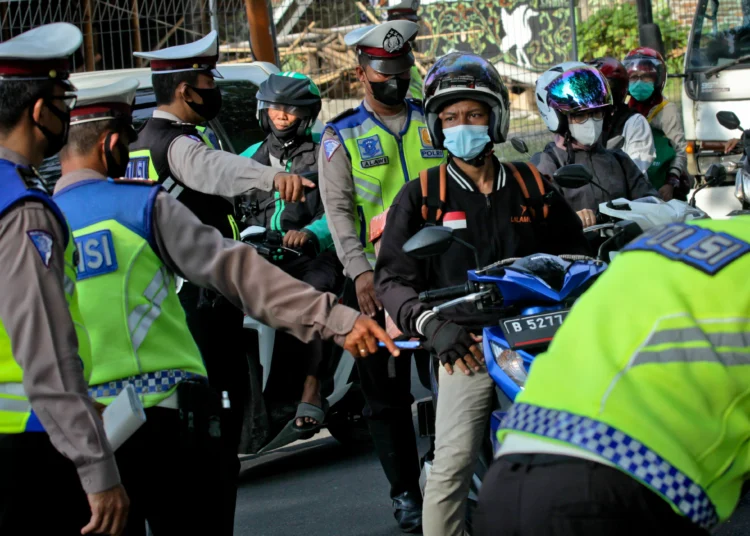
<point x="641" y="90"/>
<point x="466" y="141"/>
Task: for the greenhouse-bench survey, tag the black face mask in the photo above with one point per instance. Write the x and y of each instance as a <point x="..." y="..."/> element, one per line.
<point x="285" y="134"/>
<point x="211" y="102"/>
<point x="116" y="169"/>
<point x="391" y="92"/>
<point x="55" y="142"/>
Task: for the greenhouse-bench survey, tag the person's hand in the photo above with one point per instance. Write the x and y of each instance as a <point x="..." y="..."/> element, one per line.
<point x="295" y="239"/>
<point x="291" y="187"/>
<point x="666" y="192"/>
<point x="363" y="339"/>
<point x="730" y="145"/>
<point x="99" y="407"/>
<point x="368" y="301"/>
<point x="588" y="217"/>
<point x="109" y="512"/>
<point x="454" y="346"/>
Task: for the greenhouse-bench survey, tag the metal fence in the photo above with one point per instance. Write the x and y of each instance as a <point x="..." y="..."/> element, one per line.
<point x="522" y="38"/>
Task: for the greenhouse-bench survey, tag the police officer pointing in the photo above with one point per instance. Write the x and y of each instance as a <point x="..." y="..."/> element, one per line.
<point x="176" y="150"/>
<point x="134" y="238"/>
<point x="49" y="427"/>
<point x="367" y="154"/>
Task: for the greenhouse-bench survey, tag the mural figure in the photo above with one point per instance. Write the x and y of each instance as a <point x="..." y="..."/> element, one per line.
<point x="518" y="32"/>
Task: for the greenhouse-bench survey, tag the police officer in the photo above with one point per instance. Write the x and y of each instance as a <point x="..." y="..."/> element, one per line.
<point x="652" y="437"/>
<point x="49" y="427"/>
<point x="407" y="10"/>
<point x="367" y="154"/>
<point x="133" y="238"/>
<point x="176" y="150"/>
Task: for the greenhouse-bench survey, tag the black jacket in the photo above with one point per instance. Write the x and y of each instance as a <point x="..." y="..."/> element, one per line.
<point x="279" y="215"/>
<point x="612" y="169"/>
<point x="498" y="225"/>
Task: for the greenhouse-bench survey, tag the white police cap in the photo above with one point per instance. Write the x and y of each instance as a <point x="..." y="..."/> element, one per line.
<point x="200" y="55"/>
<point x="101" y="103"/>
<point x="386" y="47"/>
<point x="40" y="54"/>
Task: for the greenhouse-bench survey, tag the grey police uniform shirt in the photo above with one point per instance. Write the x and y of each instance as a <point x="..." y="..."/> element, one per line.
<point x="35" y="313"/>
<point x="669" y="121"/>
<point x="337" y="190"/>
<point x="212" y="171"/>
<point x="199" y="253"/>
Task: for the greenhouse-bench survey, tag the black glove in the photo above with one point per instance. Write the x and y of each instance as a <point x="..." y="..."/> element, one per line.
<point x="448" y="340"/>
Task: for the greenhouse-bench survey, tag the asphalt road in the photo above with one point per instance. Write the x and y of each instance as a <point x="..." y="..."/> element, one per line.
<point x="320" y="488"/>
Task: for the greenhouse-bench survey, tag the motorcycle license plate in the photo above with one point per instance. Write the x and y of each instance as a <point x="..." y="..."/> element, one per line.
<point x="533" y="330"/>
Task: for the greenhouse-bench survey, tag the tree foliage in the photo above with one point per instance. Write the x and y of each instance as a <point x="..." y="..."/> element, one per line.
<point x="613" y="31"/>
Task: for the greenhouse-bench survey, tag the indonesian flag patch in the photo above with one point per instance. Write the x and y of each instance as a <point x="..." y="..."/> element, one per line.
<point x="455" y="220"/>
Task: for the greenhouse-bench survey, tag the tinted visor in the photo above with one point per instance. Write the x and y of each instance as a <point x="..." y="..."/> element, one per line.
<point x="460" y="71"/>
<point x="579" y="89"/>
<point x="296" y="111"/>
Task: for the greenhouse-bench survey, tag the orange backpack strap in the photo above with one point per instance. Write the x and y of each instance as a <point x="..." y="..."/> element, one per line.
<point x="532" y="187"/>
<point x="434" y="184"/>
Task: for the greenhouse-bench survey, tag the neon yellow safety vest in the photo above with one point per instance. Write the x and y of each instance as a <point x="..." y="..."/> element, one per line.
<point x="16" y="415"/>
<point x="416" y="84"/>
<point x="651" y="370"/>
<point x="139" y="334"/>
<point x="381" y="161"/>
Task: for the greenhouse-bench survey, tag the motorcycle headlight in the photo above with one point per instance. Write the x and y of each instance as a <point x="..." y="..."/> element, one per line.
<point x="742" y="186"/>
<point x="511" y="363"/>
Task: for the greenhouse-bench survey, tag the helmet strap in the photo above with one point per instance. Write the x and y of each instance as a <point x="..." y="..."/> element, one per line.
<point x="478" y="160"/>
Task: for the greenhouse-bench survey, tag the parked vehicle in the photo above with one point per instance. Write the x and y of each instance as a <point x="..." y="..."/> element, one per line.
<point x="717" y="67"/>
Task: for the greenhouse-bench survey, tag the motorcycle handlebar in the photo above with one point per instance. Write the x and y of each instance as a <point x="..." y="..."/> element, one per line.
<point x="447" y="293"/>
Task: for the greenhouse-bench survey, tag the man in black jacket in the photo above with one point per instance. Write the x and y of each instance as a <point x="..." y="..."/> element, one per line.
<point x="288" y="104"/>
<point x="491" y="206"/>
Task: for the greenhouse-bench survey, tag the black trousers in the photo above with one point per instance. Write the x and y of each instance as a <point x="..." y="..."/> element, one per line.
<point x="388" y="401"/>
<point x="170" y="484"/>
<point x="548" y="495"/>
<point x="323" y="273"/>
<point x="217" y="328"/>
<point x="40" y="492"/>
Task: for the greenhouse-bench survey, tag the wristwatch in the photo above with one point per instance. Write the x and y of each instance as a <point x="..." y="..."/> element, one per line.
<point x="673" y="180"/>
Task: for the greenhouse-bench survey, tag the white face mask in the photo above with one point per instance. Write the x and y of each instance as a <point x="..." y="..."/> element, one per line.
<point x="587" y="133"/>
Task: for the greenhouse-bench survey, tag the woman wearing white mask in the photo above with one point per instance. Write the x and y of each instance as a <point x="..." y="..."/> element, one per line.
<point x="574" y="105"/>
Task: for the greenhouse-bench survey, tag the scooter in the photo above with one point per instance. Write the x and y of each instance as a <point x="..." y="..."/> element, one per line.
<point x="532" y="296"/>
<point x="276" y="383"/>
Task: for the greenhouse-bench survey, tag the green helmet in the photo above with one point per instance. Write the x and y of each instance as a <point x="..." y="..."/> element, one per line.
<point x="292" y="92"/>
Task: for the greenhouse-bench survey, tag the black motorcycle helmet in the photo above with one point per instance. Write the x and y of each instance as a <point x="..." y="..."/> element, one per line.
<point x="457" y="76"/>
<point x="292" y="92"/>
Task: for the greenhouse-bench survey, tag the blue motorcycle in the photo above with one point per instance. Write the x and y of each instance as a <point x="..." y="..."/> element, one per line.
<point x="531" y="296"/>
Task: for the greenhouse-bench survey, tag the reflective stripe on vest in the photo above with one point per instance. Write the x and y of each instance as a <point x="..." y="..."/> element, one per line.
<point x="620" y="449"/>
<point x="150" y="383"/>
<point x="383" y="161"/>
<point x="127" y="294"/>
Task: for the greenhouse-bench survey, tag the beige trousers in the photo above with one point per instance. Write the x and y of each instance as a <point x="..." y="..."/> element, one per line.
<point x="462" y="416"/>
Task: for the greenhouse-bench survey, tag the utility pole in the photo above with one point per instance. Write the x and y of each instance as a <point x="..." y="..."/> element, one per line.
<point x="573" y="30"/>
<point x="260" y="23"/>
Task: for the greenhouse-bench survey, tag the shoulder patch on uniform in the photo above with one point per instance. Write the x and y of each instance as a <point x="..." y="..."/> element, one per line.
<point x="704" y="249"/>
<point x="330" y="146"/>
<point x="43" y="243"/>
<point x="345" y="113"/>
<point x="194" y="137"/>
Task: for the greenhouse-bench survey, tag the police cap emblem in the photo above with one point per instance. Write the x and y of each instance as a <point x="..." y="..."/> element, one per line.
<point x="393" y="41"/>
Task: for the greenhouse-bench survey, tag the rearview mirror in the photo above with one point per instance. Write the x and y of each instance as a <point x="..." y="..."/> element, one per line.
<point x="728" y="120"/>
<point x="428" y="242"/>
<point x="573" y="176"/>
<point x="519" y="145"/>
<point x="716" y="174"/>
